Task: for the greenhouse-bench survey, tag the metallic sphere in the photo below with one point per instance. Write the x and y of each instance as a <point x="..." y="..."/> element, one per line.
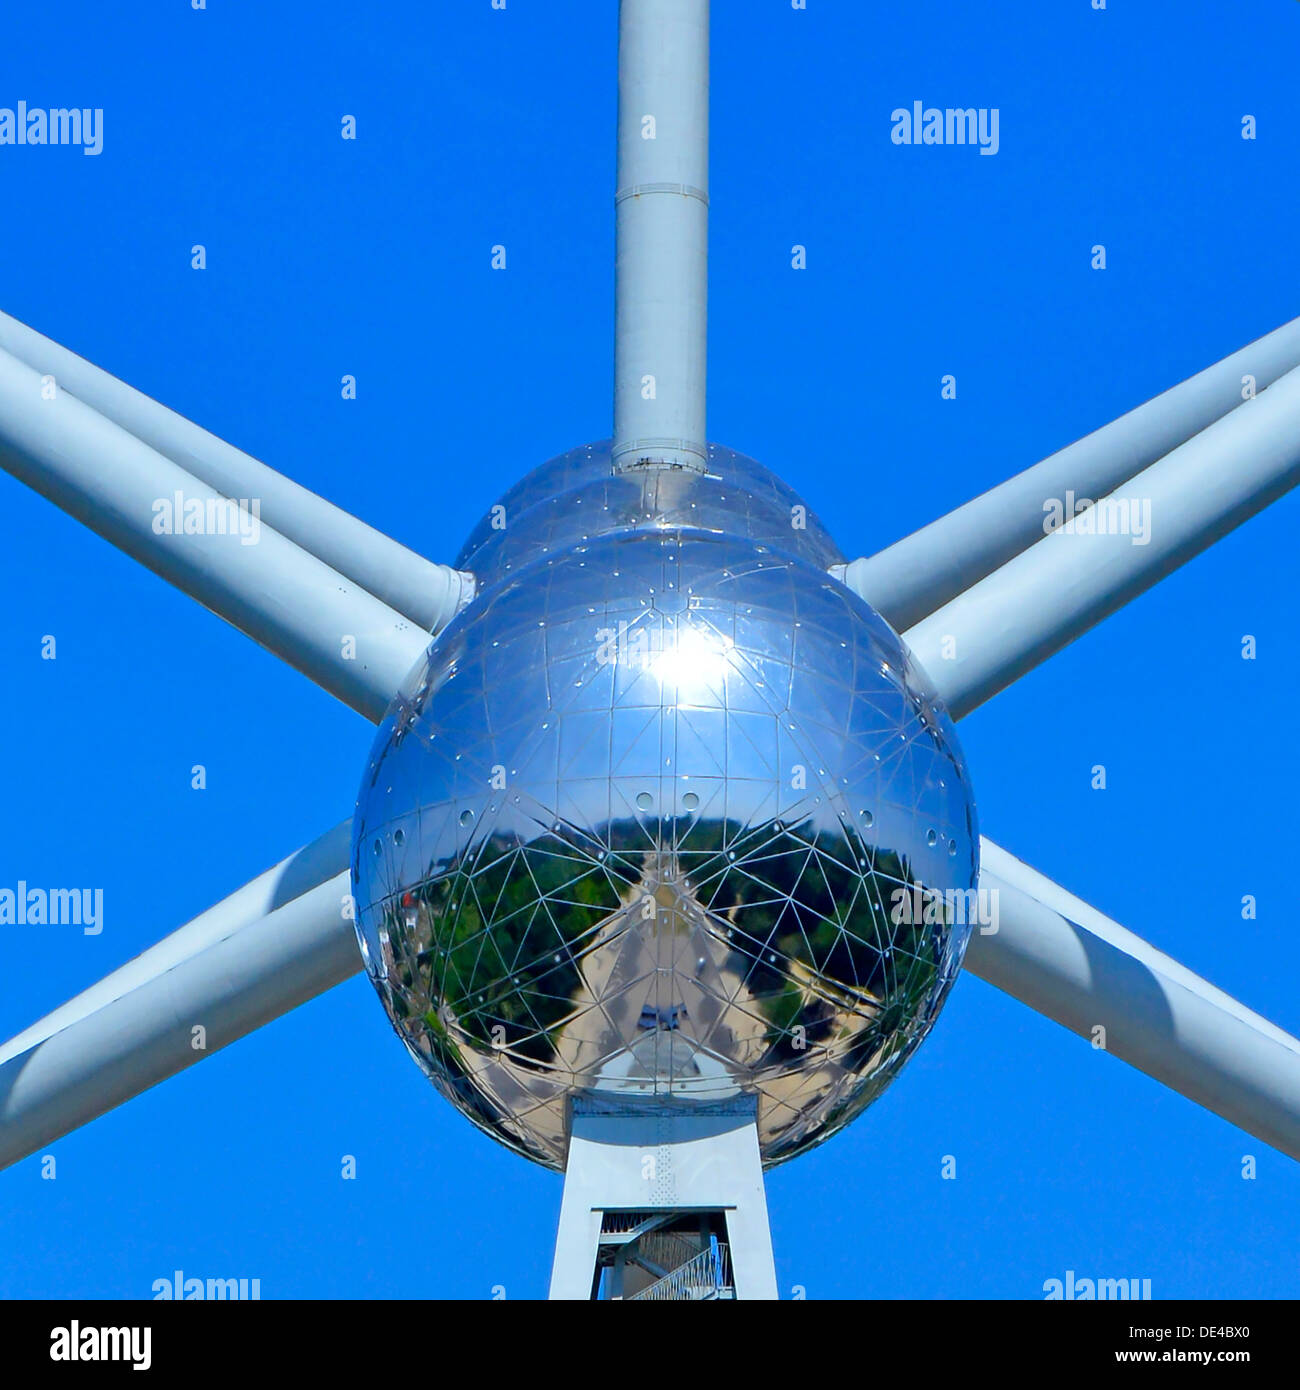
<point x="574" y="499"/>
<point x="665" y="816"/>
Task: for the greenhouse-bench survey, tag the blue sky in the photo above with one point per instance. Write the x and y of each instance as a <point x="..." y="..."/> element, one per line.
<point x="478" y="127"/>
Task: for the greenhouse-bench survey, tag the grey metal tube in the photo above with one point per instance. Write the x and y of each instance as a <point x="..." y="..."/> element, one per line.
<point x="1079" y="968"/>
<point x="662" y="234"/>
<point x="133" y="1042"/>
<point x="427" y="593"/>
<point x="1044" y="598"/>
<point x="292" y="603"/>
<point x="911" y="578"/>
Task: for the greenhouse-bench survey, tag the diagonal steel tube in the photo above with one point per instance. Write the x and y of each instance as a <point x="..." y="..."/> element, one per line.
<point x="296" y="606"/>
<point x="911" y="578"/>
<point x="1037" y="603"/>
<point x="148" y="1034"/>
<point x="429" y="594"/>
<point x="1079" y="968"/>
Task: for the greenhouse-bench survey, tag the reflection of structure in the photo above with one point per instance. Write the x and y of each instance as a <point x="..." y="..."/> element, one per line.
<point x="665" y="995"/>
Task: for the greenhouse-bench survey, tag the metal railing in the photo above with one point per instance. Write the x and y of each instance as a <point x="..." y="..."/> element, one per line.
<point x="664" y="1251"/>
<point x="706" y="1276"/>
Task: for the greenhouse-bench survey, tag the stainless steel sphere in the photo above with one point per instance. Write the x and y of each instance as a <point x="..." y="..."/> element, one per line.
<point x="656" y="819"/>
<point x="575" y="498"/>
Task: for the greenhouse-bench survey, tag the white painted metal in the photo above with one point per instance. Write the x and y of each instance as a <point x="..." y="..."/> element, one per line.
<point x="1076" y="966"/>
<point x="695" y="1158"/>
<point x="662" y="233"/>
<point x="292" y="603"/>
<point x="427" y="593"/>
<point x="140" y="1038"/>
<point x="1037" y="603"/>
<point x="920" y="573"/>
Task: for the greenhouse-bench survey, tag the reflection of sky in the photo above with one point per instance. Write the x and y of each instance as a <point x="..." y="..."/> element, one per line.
<point x="575" y="495"/>
<point x="653" y="703"/>
<point x="691" y="729"/>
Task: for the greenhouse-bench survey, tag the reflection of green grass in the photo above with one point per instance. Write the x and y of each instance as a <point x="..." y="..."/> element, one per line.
<point x="440" y="1042"/>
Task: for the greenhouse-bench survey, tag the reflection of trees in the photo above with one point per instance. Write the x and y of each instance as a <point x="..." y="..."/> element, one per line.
<point x="795" y="892"/>
<point x="487" y="949"/>
<point x="494" y="940"/>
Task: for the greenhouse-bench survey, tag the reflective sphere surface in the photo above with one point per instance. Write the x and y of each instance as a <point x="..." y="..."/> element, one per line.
<point x="571" y="500"/>
<point x="665" y="816"/>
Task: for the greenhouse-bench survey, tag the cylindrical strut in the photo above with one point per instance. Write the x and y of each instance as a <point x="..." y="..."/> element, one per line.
<point x="662" y="234"/>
